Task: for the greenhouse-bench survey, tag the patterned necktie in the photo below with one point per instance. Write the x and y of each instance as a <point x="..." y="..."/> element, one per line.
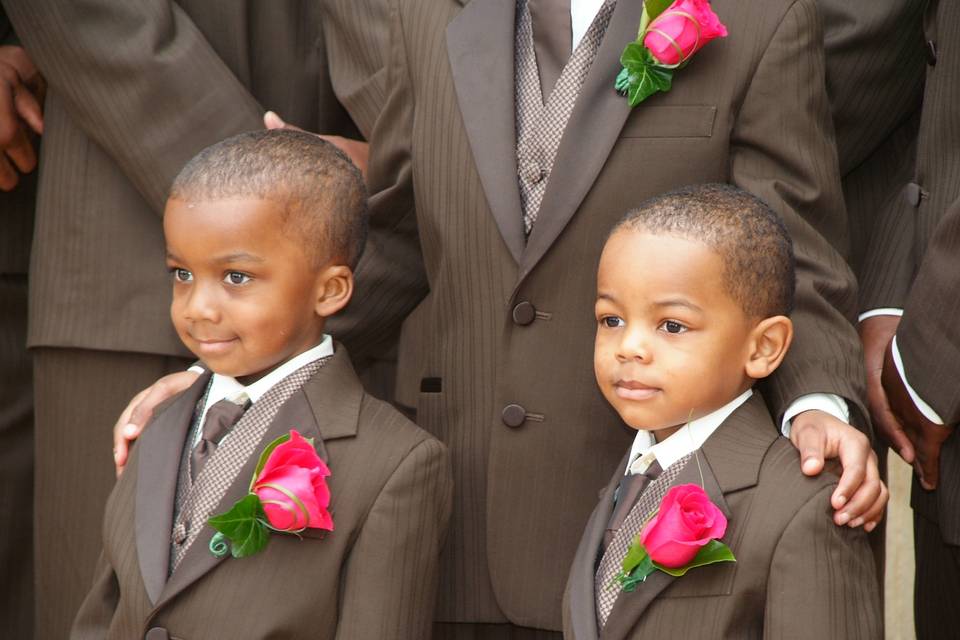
<point x="606" y="588"/>
<point x="219" y="420"/>
<point x="629" y="489"/>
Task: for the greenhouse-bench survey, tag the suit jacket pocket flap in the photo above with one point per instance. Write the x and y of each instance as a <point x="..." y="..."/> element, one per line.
<point x="712" y="580"/>
<point x="680" y="121"/>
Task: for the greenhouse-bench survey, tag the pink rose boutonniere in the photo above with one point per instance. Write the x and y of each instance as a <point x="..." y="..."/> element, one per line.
<point x="669" y="36"/>
<point x="683" y="534"/>
<point x="288" y="494"/>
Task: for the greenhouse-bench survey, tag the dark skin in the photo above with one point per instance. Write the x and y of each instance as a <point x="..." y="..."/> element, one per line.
<point x="22" y="90"/>
<point x="895" y="417"/>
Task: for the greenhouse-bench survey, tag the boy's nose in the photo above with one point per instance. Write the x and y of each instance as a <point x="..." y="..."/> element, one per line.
<point x="635" y="346"/>
<point x="201" y="305"/>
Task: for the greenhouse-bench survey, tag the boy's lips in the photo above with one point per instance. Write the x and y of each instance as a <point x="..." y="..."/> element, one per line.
<point x="633" y="390"/>
<point x="214" y="347"/>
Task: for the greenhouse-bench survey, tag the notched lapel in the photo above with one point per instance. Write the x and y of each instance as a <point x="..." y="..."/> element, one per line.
<point x="480" y="46"/>
<point x="332" y="396"/>
<point x="161" y="446"/>
<point x="591" y="132"/>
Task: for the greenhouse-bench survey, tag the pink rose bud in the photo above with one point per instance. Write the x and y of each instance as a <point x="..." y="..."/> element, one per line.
<point x="293" y="489"/>
<point x="686" y="521"/>
<point x="680" y="31"/>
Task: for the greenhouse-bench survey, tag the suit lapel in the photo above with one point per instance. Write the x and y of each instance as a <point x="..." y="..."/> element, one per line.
<point x="582" y="596"/>
<point x="158" y="469"/>
<point x="480" y="46"/>
<point x="334" y="395"/>
<point x="729" y="461"/>
<point x="591" y="132"/>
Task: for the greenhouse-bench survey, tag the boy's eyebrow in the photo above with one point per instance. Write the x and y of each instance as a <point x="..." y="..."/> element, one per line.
<point x="603" y="295"/>
<point x="239" y="256"/>
<point x="677" y="302"/>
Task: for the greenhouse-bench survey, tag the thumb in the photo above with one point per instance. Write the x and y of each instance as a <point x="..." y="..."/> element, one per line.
<point x="272" y="121"/>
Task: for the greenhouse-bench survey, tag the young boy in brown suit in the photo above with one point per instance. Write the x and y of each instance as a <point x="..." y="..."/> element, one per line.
<point x="262" y="232"/>
<point x="677" y="352"/>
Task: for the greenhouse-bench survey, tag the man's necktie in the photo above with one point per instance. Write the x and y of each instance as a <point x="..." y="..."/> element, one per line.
<point x="219" y="420"/>
<point x="629" y="489"/>
<point x="552" y="39"/>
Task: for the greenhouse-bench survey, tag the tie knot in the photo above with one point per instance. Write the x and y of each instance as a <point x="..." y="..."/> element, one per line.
<point x="221" y="417"/>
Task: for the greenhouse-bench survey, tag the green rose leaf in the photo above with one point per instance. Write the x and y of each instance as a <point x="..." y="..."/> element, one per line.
<point x="710" y="553"/>
<point x="244" y="526"/>
<point x="635" y="56"/>
<point x="651" y="80"/>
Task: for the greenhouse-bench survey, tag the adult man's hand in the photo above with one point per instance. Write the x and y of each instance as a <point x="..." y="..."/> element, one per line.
<point x="357" y="150"/>
<point x="139" y="411"/>
<point x="860" y="496"/>
<point x="21" y="96"/>
<point x="925" y="437"/>
<point x="876" y="334"/>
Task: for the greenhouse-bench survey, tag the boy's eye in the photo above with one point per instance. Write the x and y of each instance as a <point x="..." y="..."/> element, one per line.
<point x="235" y="277"/>
<point x="181" y="275"/>
<point x="672" y="326"/>
<point x="612" y="322"/>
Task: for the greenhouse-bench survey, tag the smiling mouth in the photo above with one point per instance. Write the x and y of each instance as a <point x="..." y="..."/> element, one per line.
<point x="213" y="347"/>
<point x="632" y="390"/>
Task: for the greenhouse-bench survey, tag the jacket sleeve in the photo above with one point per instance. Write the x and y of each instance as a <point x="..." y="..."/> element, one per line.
<point x="394" y="562"/>
<point x="822" y="579"/>
<point x="139" y="78"/>
<point x="782" y="150"/>
<point x="928" y="338"/>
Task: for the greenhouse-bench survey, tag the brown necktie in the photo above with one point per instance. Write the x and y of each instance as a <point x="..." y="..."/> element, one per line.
<point x="629" y="489"/>
<point x="219" y="420"/>
<point x="552" y="36"/>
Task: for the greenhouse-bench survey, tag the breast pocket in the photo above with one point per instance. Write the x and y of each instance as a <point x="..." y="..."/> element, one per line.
<point x="675" y="121"/>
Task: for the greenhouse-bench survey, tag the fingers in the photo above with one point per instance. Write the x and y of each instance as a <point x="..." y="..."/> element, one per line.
<point x="21" y="153"/>
<point x="865" y="492"/>
<point x="8" y="175"/>
<point x="121" y="441"/>
<point x="874" y="514"/>
<point x="928" y="464"/>
<point x="273" y="121"/>
<point x="811" y="442"/>
<point x="28" y="108"/>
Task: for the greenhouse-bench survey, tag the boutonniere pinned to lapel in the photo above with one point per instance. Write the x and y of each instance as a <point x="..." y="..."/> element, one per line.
<point x="669" y="36"/>
<point x="288" y="494"/>
<point x="684" y="533"/>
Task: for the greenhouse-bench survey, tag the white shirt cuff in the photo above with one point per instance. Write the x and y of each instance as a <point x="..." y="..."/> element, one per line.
<point x="922" y="406"/>
<point x="826" y="402"/>
<point x="884" y="311"/>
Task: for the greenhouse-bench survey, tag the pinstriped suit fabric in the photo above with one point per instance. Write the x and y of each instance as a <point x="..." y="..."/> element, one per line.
<point x="750" y="109"/>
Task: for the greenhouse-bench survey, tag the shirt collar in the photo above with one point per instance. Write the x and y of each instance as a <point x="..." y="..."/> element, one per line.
<point x="226" y="387"/>
<point x="686" y="439"/>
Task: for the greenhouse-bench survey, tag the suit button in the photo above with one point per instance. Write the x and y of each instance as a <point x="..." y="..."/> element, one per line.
<point x="913" y="194"/>
<point x="157" y="633"/>
<point x="524" y="313"/>
<point x="531" y="171"/>
<point x="513" y="415"/>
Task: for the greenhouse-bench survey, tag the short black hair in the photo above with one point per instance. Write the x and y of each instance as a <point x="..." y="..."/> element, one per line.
<point x="321" y="192"/>
<point x="752" y="241"/>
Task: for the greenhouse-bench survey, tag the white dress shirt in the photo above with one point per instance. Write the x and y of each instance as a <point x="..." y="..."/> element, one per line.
<point x="222" y="387"/>
<point x="684" y="440"/>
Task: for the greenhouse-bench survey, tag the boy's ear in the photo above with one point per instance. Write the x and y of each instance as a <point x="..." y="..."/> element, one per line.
<point x="768" y="345"/>
<point x="334" y="289"/>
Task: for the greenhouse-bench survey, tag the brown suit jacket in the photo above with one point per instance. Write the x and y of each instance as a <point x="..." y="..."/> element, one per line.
<point x="928" y="337"/>
<point x="496" y="349"/>
<point x="136" y="89"/>
<point x="374" y="576"/>
<point x="797" y="575"/>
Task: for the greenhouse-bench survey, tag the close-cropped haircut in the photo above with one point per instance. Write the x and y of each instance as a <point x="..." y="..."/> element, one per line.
<point x="751" y="240"/>
<point x="320" y="191"/>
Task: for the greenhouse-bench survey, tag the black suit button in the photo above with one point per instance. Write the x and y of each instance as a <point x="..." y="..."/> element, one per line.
<point x="931" y="53"/>
<point x="513" y="415"/>
<point x="157" y="633"/>
<point x="524" y="313"/>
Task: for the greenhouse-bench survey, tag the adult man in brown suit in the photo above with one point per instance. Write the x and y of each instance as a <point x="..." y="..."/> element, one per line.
<point x="916" y="401"/>
<point x="136" y="90"/>
<point x="19" y="114"/>
<point x="496" y="356"/>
